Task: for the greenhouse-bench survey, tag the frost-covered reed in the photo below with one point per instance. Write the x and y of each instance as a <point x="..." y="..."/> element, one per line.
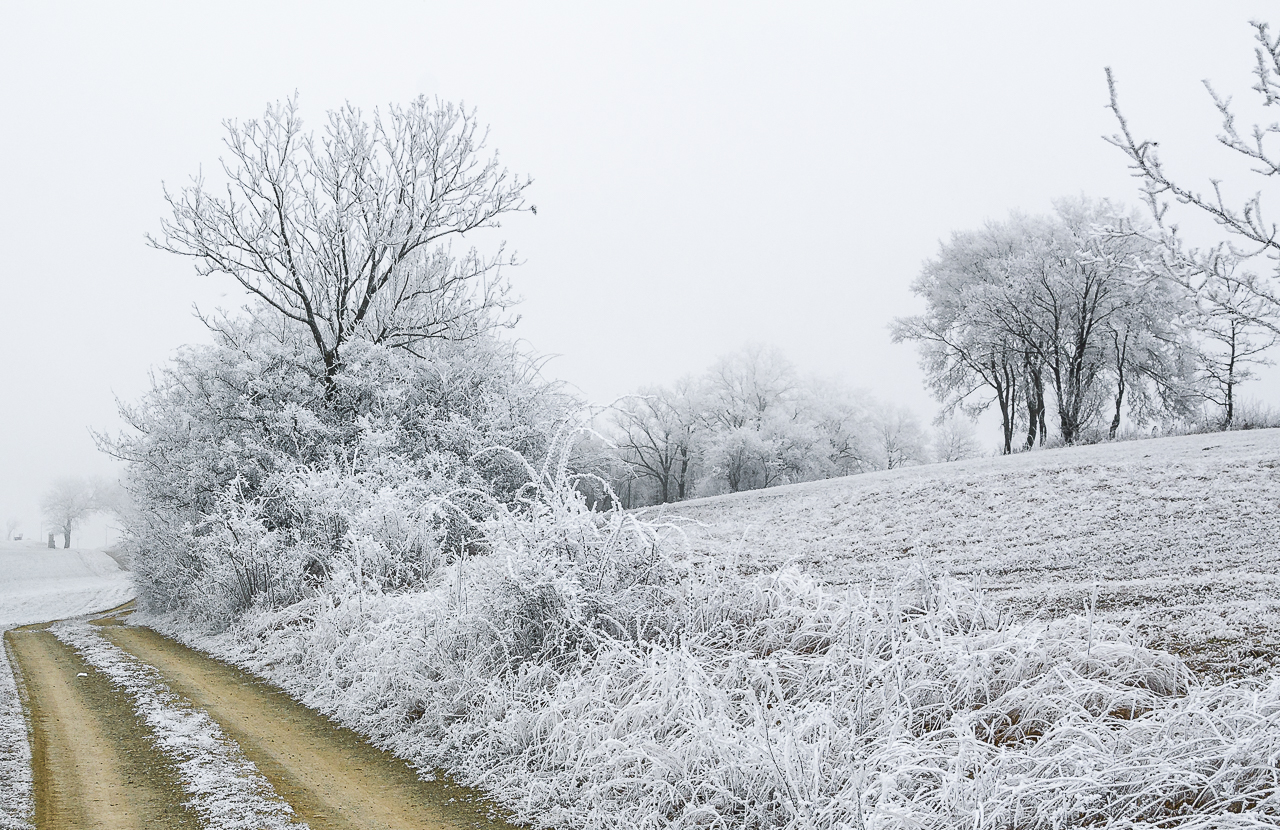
<point x="16" y="805"/>
<point x="591" y="675"/>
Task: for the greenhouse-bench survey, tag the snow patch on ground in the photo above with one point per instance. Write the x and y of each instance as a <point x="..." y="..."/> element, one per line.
<point x="38" y="584"/>
<point x="16" y="806"/>
<point x="225" y="788"/>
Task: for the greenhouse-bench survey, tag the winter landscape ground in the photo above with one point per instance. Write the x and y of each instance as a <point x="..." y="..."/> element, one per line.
<point x="1076" y="637"/>
<point x="38" y="583"/>
<point x="1178" y="537"/>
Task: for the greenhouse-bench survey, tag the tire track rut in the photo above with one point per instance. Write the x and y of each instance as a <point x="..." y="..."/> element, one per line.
<point x="93" y="763"/>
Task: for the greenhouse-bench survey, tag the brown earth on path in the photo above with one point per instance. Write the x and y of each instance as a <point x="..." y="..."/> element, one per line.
<point x="93" y="764"/>
<point x="95" y="767"/>
<point x="331" y="776"/>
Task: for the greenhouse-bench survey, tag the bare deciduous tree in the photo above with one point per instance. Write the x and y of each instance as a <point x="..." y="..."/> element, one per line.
<point x="656" y="430"/>
<point x="1238" y="328"/>
<point x="1249" y="233"/>
<point x="69" y="502"/>
<point x="347" y="234"/>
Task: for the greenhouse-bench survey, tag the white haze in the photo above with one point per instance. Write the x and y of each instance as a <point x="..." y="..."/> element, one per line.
<point x="705" y="175"/>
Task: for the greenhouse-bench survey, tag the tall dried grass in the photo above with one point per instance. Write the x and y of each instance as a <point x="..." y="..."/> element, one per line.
<point x="589" y="673"/>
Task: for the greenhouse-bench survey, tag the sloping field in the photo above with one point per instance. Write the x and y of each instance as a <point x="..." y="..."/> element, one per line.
<point x="1178" y="537"/>
<point x="38" y="584"/>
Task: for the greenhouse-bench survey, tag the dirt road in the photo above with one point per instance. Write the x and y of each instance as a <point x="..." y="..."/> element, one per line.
<point x="96" y="763"/>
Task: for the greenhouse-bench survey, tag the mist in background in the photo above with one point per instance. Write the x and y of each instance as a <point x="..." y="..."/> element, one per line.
<point x="704" y="176"/>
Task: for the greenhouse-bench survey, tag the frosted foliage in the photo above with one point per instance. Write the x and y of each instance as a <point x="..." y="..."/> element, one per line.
<point x="223" y="787"/>
<point x="252" y="480"/>
<point x="591" y="673"/>
<point x="16" y="806"/>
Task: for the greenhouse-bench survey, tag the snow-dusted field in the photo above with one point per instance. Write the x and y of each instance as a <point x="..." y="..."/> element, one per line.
<point x="38" y="584"/>
<point x="1179" y="536"/>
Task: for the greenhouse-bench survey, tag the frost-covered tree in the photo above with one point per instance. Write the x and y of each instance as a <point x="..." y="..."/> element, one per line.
<point x="900" y="439"/>
<point x="10" y="525"/>
<point x="1249" y="233"/>
<point x="748" y="405"/>
<point x="955" y="440"/>
<point x="360" y="418"/>
<point x="68" y="502"/>
<point x="842" y="419"/>
<point x="347" y="234"/>
<point x="1097" y="286"/>
<point x="253" y="474"/>
<point x="1237" y="333"/>
<point x="747" y="386"/>
<point x="656" y="430"/>
<point x="973" y="335"/>
<point x="1066" y="305"/>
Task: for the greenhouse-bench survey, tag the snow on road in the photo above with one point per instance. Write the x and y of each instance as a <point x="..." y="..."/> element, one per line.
<point x="38" y="584"/>
<point x="16" y="807"/>
<point x="224" y="787"/>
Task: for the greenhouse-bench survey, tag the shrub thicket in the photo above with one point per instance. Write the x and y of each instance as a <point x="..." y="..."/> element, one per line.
<point x="255" y="477"/>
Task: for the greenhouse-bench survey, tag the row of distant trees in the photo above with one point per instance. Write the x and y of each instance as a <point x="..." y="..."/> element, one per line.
<point x="752" y="421"/>
<point x="1077" y="319"/>
<point x="1094" y="312"/>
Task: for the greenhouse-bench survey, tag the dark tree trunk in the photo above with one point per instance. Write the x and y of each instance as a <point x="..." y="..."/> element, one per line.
<point x="1035" y="406"/>
<point x="1115" y="420"/>
<point x="1004" y="381"/>
<point x="1231" y="379"/>
<point x="1007" y="426"/>
<point x="66" y="538"/>
<point x="683" y="480"/>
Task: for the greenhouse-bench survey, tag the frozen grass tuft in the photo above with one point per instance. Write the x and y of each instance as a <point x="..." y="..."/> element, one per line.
<point x="16" y="806"/>
<point x="592" y="674"/>
<point x="224" y="788"/>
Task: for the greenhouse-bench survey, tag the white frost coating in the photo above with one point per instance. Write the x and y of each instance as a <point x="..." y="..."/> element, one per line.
<point x="16" y="806"/>
<point x="226" y="790"/>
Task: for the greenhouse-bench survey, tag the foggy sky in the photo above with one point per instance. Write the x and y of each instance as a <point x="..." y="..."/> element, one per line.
<point x="706" y="174"/>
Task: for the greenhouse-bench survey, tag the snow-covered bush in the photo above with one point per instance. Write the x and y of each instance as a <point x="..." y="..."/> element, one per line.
<point x="254" y="474"/>
<point x="590" y="673"/>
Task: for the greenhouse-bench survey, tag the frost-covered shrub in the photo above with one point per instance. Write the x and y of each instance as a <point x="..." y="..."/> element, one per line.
<point x="590" y="673"/>
<point x="255" y="476"/>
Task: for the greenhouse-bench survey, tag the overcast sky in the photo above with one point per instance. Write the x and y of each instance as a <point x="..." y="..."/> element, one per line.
<point x="706" y="174"/>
